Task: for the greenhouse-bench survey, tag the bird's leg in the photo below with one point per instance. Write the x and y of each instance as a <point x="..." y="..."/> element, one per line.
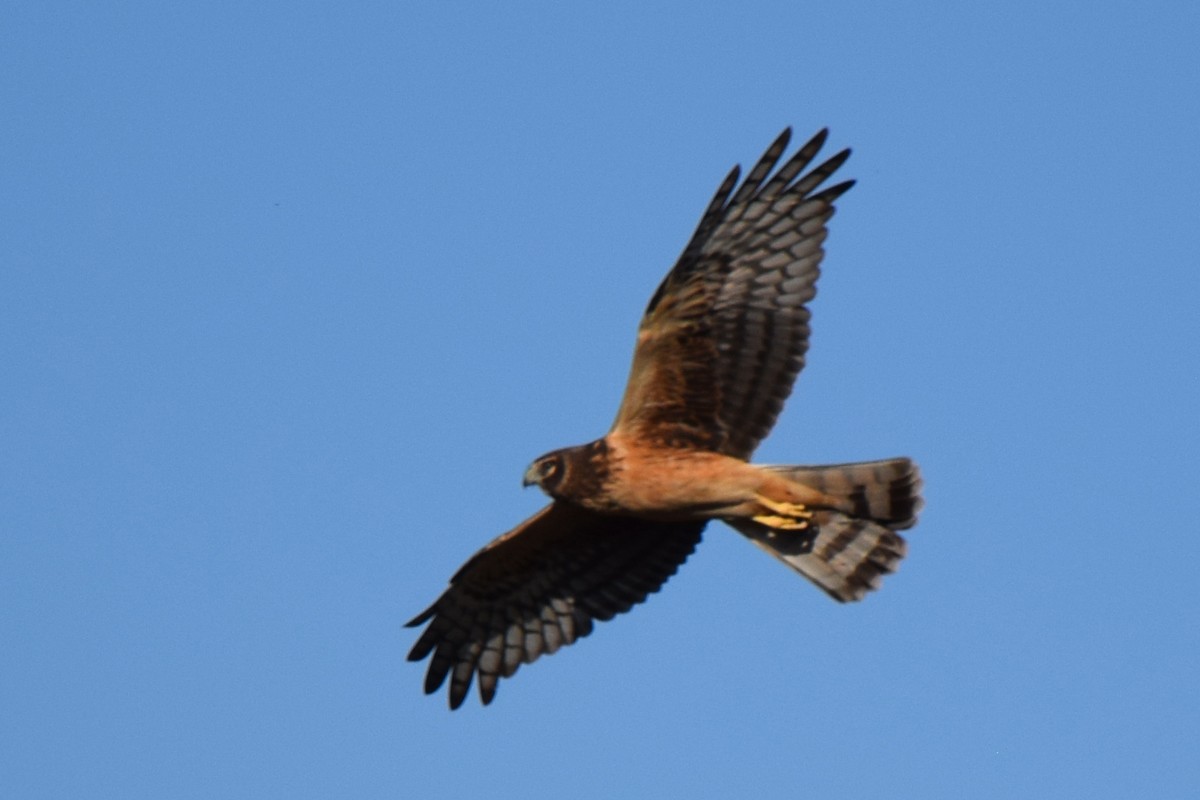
<point x="787" y="516"/>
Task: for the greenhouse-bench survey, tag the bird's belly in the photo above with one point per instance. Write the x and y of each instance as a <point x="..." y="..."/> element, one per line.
<point x="684" y="486"/>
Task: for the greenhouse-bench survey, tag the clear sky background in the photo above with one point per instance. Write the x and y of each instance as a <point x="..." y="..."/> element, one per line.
<point x="290" y="295"/>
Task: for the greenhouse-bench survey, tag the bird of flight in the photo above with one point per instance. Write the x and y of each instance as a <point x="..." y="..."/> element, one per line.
<point x="717" y="351"/>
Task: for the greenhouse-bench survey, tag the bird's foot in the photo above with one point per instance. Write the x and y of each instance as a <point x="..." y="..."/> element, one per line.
<point x="781" y="523"/>
<point x="787" y="516"/>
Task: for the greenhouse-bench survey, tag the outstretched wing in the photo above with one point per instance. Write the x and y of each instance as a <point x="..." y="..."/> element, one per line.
<point x="725" y="334"/>
<point x="540" y="586"/>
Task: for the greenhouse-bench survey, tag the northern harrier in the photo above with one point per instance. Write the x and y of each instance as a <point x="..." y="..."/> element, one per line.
<point x="717" y="352"/>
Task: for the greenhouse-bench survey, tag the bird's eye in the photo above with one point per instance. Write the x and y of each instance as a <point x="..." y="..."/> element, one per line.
<point x="549" y="467"/>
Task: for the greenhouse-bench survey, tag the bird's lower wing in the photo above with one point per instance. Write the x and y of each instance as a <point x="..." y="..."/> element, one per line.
<point x="541" y="586"/>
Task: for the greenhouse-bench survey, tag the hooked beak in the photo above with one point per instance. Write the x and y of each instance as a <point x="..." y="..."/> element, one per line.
<point x="531" y="476"/>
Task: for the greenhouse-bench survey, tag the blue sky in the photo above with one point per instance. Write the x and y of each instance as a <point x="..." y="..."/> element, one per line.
<point x="290" y="295"/>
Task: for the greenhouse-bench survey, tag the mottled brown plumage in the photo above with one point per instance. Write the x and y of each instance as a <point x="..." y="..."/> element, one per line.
<point x="717" y="352"/>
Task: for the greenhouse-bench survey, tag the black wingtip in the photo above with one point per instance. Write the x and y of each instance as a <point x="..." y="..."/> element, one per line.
<point x="817" y="141"/>
<point x="782" y="140"/>
<point x="422" y="618"/>
<point x="834" y="192"/>
<point x="730" y="181"/>
<point x="834" y="162"/>
<point x="458" y="694"/>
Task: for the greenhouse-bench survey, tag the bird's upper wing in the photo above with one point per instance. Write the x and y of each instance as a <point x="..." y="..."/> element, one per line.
<point x="540" y="586"/>
<point x="725" y="334"/>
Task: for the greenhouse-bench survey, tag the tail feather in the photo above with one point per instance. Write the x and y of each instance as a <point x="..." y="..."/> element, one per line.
<point x="887" y="491"/>
<point x="852" y="544"/>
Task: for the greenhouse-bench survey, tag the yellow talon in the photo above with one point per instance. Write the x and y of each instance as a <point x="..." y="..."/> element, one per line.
<point x="784" y="509"/>
<point x="783" y="523"/>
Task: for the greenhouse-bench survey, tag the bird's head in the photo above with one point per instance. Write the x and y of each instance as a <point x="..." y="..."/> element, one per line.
<point x="547" y="472"/>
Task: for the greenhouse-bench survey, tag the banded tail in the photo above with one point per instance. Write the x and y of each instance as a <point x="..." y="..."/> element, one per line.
<point x="853" y="543"/>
